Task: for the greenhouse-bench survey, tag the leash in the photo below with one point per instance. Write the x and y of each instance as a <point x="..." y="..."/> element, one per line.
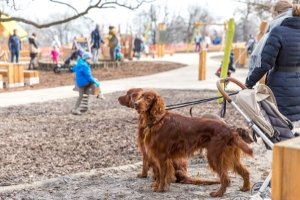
<point x="191" y="103"/>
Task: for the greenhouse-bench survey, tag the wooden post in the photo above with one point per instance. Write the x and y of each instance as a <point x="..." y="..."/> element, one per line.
<point x="285" y="170"/>
<point x="202" y="65"/>
<point x="227" y="51"/>
<point x="161" y="40"/>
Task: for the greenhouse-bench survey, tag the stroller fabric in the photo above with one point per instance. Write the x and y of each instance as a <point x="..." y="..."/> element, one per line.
<point x="259" y="104"/>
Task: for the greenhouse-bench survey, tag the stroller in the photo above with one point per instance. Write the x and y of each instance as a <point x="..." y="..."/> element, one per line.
<point x="259" y="108"/>
<point x="67" y="66"/>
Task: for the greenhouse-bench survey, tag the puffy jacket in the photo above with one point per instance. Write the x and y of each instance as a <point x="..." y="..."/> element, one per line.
<point x="281" y="51"/>
<point x="83" y="73"/>
<point x="96" y="39"/>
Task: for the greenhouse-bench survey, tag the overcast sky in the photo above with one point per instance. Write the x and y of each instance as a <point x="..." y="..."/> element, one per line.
<point x="42" y="9"/>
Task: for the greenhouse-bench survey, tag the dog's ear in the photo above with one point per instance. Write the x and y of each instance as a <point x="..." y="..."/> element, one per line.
<point x="158" y="106"/>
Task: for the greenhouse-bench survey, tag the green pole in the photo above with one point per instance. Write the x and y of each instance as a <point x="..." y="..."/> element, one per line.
<point x="227" y="50"/>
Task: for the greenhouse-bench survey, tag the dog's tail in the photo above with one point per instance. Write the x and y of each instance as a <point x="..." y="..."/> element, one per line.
<point x="239" y="142"/>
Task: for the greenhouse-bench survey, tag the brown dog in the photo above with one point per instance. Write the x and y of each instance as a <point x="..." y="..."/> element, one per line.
<point x="179" y="164"/>
<point x="170" y="136"/>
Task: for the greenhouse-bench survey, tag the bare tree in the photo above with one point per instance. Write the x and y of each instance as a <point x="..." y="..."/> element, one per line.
<point x="196" y="14"/>
<point x="93" y="4"/>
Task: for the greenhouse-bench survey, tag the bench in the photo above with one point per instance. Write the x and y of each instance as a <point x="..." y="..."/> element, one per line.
<point x="12" y="74"/>
<point x="31" y="77"/>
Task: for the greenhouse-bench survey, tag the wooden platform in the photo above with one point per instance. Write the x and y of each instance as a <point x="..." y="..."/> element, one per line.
<point x="286" y="170"/>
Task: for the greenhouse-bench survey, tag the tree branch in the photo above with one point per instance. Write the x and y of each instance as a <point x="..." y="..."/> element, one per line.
<point x="66" y="4"/>
<point x="97" y="5"/>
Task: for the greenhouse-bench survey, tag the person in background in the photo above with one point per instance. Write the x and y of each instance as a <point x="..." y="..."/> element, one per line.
<point x="84" y="81"/>
<point x="54" y="55"/>
<point x="14" y="44"/>
<point x="96" y="42"/>
<point x="207" y="41"/>
<point x="231" y="68"/>
<point x="112" y="43"/>
<point x="33" y="51"/>
<point x="137" y="46"/>
<point x="198" y="40"/>
<point x="277" y="55"/>
<point x="56" y="42"/>
<point x="250" y="44"/>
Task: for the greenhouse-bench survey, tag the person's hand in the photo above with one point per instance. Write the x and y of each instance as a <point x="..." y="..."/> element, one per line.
<point x="97" y="84"/>
<point x="249" y="87"/>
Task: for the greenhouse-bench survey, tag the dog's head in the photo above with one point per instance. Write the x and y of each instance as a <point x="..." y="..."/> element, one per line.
<point x="245" y="135"/>
<point x="131" y="96"/>
<point x="150" y="102"/>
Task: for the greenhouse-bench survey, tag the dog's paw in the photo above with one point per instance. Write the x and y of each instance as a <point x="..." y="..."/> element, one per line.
<point x="216" y="194"/>
<point x="142" y="175"/>
<point x="245" y="188"/>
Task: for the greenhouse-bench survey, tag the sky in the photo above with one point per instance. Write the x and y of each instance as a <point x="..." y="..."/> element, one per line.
<point x="42" y="9"/>
<point x="220" y="8"/>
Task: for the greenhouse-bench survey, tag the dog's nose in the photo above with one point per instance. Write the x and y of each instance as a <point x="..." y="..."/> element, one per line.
<point x="135" y="105"/>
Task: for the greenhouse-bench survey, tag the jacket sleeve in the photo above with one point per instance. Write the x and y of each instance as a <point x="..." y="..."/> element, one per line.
<point x="268" y="58"/>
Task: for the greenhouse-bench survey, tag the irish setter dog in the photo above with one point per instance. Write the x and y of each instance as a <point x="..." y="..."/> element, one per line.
<point x="169" y="136"/>
<point x="179" y="164"/>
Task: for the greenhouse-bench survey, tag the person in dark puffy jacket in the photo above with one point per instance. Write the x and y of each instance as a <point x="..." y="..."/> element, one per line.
<point x="280" y="59"/>
<point x="96" y="41"/>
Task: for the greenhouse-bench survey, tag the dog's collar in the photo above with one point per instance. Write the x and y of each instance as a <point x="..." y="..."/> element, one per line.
<point x="157" y="120"/>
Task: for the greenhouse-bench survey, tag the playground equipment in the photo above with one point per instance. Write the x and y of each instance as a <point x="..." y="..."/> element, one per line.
<point x="200" y="24"/>
<point x="227" y="50"/>
<point x="13" y="75"/>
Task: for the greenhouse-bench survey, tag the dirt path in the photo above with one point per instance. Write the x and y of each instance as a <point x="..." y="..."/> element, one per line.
<point x="62" y="156"/>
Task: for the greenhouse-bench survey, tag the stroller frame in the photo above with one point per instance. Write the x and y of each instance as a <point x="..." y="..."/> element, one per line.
<point x="262" y="190"/>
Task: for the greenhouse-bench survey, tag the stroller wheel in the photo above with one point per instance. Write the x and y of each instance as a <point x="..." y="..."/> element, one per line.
<point x="56" y="69"/>
<point x="240" y="198"/>
<point x="255" y="188"/>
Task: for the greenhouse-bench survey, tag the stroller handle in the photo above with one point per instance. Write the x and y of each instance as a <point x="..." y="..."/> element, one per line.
<point x="228" y="79"/>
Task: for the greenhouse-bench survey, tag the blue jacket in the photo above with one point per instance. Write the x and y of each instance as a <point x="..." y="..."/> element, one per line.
<point x="83" y="73"/>
<point x="282" y="50"/>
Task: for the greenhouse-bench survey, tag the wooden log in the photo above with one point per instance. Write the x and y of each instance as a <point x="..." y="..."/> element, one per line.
<point x="202" y="65"/>
<point x="285" y="170"/>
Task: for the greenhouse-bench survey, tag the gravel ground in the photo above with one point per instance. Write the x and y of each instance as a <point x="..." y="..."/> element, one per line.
<point x="94" y="156"/>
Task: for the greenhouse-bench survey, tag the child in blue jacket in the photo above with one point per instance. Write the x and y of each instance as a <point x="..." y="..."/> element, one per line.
<point x="84" y="81"/>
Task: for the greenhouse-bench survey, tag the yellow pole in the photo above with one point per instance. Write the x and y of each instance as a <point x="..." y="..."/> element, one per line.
<point x="227" y="51"/>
